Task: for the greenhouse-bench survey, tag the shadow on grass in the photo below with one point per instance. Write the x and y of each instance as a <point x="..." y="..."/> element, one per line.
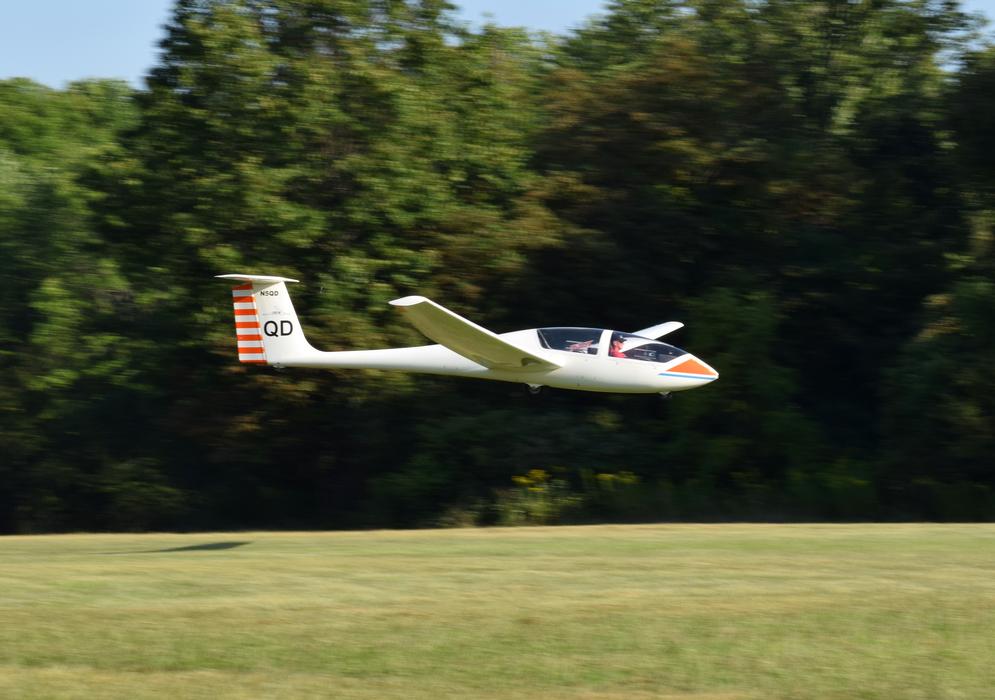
<point x="205" y="547"/>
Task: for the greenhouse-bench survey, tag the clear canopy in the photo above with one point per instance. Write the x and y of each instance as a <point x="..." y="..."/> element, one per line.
<point x="623" y="345"/>
<point x="635" y="347"/>
<point x="571" y="339"/>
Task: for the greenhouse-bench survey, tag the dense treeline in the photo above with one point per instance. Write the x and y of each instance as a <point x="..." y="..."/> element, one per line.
<point x="809" y="186"/>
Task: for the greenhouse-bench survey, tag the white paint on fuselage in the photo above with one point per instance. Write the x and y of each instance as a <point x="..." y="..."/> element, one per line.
<point x="579" y="370"/>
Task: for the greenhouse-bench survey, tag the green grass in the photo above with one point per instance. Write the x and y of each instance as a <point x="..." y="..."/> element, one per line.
<point x="723" y="611"/>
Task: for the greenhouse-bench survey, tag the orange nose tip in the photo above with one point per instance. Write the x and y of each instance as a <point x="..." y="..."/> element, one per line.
<point x="694" y="367"/>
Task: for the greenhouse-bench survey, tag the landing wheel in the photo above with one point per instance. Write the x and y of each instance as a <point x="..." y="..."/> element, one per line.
<point x="666" y="395"/>
<point x="535" y="388"/>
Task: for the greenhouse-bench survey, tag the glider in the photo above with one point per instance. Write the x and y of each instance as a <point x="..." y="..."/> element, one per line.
<point x="588" y="359"/>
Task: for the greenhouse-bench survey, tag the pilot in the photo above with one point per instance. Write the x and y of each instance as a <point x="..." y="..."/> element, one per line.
<point x="616" y="348"/>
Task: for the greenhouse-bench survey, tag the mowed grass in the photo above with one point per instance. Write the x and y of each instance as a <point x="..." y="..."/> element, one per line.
<point x="718" y="611"/>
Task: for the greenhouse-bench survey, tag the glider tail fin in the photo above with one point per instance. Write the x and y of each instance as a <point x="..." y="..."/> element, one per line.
<point x="266" y="327"/>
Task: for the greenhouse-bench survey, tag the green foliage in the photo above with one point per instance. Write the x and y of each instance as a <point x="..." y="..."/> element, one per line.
<point x="537" y="499"/>
<point x="941" y="422"/>
<point x="804" y="183"/>
<point x="972" y="109"/>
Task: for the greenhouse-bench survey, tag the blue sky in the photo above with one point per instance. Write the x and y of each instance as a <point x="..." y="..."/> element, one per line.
<point x="56" y="41"/>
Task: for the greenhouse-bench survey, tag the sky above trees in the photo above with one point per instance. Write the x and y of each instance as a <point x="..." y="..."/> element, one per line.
<point x="57" y="41"/>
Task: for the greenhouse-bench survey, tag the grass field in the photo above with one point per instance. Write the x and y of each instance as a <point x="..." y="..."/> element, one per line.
<point x="719" y="612"/>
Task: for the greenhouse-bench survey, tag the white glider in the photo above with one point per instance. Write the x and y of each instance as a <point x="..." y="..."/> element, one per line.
<point x="587" y="359"/>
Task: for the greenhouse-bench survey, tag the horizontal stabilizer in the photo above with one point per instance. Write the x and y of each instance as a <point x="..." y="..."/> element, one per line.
<point x="467" y="338"/>
<point x="256" y="278"/>
<point x="659" y="330"/>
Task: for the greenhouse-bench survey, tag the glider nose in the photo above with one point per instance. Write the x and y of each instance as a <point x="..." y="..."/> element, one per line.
<point x="690" y="367"/>
<point x="706" y="373"/>
<point x="712" y="373"/>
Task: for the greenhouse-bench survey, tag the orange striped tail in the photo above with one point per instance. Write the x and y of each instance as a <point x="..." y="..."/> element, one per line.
<point x="248" y="333"/>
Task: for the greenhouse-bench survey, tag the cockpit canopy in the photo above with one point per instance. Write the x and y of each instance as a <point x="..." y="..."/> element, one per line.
<point x="571" y="339"/>
<point x="587" y="340"/>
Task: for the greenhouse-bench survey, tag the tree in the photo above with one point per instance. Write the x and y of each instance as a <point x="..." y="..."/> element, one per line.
<point x="370" y="149"/>
<point x="66" y="389"/>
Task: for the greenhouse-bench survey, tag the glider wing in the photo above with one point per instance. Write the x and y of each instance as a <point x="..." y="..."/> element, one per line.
<point x="467" y="338"/>
<point x="659" y="330"/>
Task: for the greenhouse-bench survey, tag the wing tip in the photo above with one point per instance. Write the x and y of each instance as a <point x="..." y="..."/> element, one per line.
<point x="408" y="301"/>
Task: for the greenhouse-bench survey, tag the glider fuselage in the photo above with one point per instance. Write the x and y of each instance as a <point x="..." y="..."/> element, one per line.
<point x="596" y="371"/>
